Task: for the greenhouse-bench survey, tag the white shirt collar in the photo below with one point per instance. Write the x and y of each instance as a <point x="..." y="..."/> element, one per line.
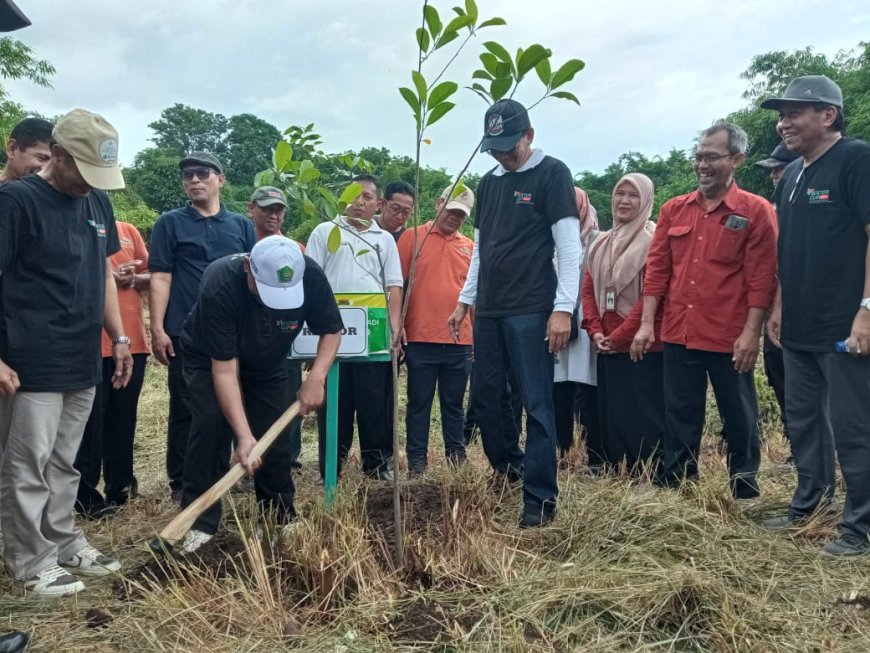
<point x="373" y="228"/>
<point x="536" y="157"/>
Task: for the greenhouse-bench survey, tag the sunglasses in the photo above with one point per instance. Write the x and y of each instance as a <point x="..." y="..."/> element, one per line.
<point x="201" y="173"/>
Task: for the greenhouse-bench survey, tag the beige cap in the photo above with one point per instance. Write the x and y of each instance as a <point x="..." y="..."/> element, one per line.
<point x="463" y="202"/>
<point x="93" y="144"/>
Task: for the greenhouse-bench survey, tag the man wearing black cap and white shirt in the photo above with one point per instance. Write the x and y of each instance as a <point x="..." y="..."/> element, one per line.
<point x="823" y="209"/>
<point x="525" y="209"/>
<point x="249" y="311"/>
<point x="184" y="241"/>
<point x="57" y="293"/>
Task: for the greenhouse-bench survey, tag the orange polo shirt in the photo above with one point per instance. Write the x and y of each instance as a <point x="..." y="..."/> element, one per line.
<point x="438" y="280"/>
<point x="129" y="299"/>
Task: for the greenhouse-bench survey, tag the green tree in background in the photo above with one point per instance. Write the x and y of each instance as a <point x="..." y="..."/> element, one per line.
<point x="248" y="147"/>
<point x="769" y="74"/>
<point x="129" y="207"/>
<point x="182" y="129"/>
<point x="155" y="178"/>
<point x="18" y="62"/>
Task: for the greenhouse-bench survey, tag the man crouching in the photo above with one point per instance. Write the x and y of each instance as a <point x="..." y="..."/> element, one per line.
<point x="249" y="311"/>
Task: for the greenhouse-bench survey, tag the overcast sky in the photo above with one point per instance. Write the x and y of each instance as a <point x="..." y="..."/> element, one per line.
<point x="656" y="72"/>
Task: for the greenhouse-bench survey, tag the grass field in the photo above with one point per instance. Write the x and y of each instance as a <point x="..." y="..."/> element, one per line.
<point x="625" y="567"/>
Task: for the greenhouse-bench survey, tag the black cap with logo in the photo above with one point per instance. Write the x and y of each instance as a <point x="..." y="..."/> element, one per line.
<point x="503" y="125"/>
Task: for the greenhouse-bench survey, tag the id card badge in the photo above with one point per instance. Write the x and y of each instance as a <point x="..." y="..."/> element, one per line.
<point x="610" y="299"/>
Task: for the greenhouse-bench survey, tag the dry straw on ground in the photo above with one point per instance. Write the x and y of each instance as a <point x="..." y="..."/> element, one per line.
<point x="625" y="567"/>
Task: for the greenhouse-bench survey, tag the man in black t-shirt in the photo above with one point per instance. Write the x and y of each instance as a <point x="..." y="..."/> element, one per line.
<point x="823" y="208"/>
<point x="249" y="311"/>
<point x="525" y="210"/>
<point x="56" y="295"/>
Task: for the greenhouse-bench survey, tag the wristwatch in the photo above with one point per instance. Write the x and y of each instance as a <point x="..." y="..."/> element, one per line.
<point x="865" y="303"/>
<point x="121" y="340"/>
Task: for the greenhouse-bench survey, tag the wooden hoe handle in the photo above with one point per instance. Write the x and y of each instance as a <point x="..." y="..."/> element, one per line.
<point x="177" y="528"/>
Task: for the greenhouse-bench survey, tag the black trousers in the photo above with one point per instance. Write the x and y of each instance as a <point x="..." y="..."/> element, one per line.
<point x="365" y="391"/>
<point x="107" y="442"/>
<point x="512" y="407"/>
<point x="774" y="370"/>
<point x="294" y="431"/>
<point x="211" y="438"/>
<point x="632" y="408"/>
<point x="828" y="404"/>
<point x="447" y="367"/>
<point x="685" y="382"/>
<point x="178" y="424"/>
<point x="572" y="402"/>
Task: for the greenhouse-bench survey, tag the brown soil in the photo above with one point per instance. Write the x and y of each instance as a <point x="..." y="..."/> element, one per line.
<point x="427" y="622"/>
<point x="217" y="556"/>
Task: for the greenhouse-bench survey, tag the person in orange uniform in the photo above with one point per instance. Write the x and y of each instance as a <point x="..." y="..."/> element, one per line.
<point x="433" y="355"/>
<point x="107" y="443"/>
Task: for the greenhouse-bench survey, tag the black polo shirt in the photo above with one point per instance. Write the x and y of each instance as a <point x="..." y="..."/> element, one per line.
<point x="822" y="212"/>
<point x="515" y="213"/>
<point x="183" y="243"/>
<point x="229" y="322"/>
<point x="53" y="251"/>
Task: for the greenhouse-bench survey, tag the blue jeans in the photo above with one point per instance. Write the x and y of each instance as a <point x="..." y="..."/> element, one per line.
<point x="447" y="366"/>
<point x="517" y="343"/>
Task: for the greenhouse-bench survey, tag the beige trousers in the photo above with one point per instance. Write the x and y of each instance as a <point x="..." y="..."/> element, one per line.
<point x="40" y="433"/>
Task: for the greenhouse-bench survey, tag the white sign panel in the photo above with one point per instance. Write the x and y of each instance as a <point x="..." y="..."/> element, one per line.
<point x="354" y="335"/>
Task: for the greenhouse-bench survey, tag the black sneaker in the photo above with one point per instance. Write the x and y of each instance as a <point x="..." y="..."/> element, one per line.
<point x="535" y="516"/>
<point x="784" y="523"/>
<point x="848" y="545"/>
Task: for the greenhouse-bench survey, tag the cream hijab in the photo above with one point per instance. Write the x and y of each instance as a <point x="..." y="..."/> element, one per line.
<point x="617" y="257"/>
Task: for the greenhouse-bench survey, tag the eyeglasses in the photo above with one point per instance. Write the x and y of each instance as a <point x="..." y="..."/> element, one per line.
<point x="201" y="173"/>
<point x="398" y="209"/>
<point x="709" y="158"/>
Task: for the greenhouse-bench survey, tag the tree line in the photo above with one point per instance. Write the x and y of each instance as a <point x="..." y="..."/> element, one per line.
<point x="246" y="144"/>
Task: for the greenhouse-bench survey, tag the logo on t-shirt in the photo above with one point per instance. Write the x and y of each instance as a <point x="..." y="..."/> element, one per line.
<point x="100" y="228"/>
<point x="815" y="196"/>
<point x="465" y="250"/>
<point x="287" y="326"/>
<point x="523" y="198"/>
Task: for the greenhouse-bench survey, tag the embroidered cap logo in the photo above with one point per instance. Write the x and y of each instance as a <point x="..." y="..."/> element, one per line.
<point x="496" y="126"/>
<point x="285" y="274"/>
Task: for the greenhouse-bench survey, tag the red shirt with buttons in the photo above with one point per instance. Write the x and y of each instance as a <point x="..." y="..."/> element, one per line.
<point x="711" y="267"/>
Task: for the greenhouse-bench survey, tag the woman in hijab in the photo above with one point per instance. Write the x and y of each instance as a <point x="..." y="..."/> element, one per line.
<point x="574" y="373"/>
<point x="631" y="403"/>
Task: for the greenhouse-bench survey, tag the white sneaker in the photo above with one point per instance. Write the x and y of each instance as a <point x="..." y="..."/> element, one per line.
<point x="53" y="581"/>
<point x="91" y="562"/>
<point x="284" y="531"/>
<point x="194" y="539"/>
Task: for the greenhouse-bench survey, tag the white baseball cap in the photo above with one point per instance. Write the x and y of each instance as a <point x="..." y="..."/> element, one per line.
<point x="278" y="266"/>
